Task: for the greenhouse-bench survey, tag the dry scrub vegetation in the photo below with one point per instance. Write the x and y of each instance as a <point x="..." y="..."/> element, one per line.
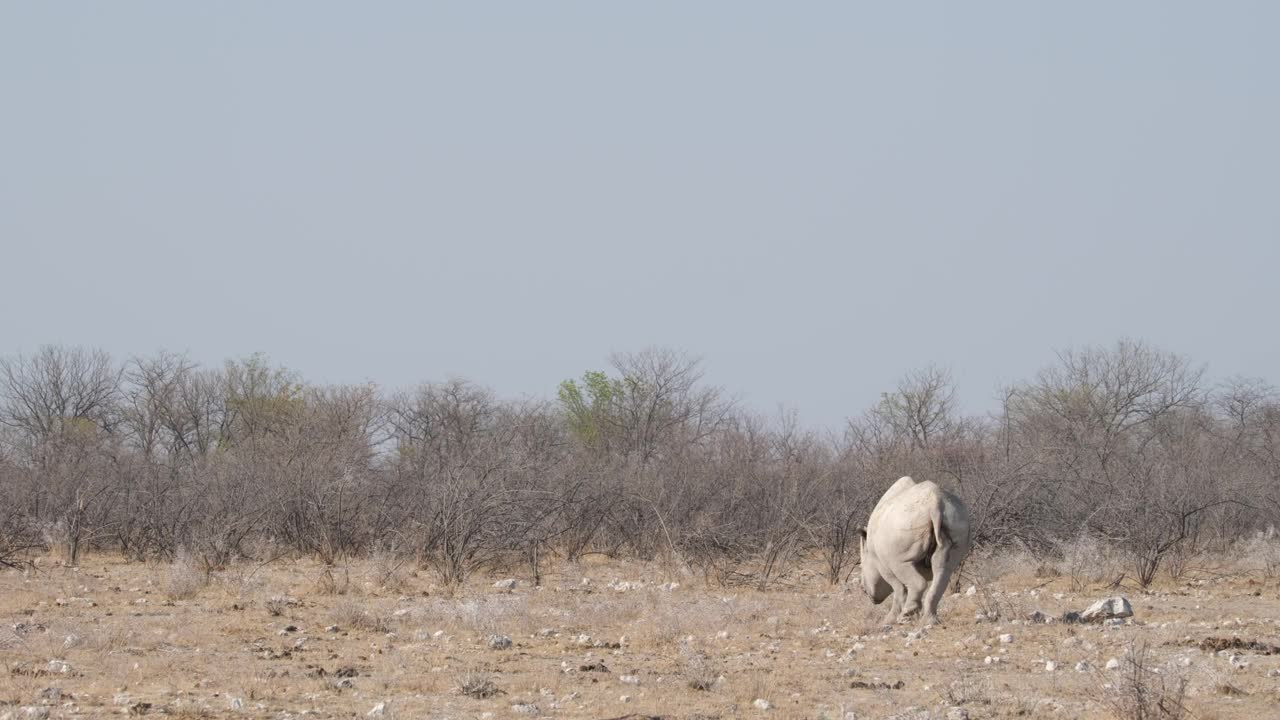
<point x="604" y="639"/>
<point x="203" y="527"/>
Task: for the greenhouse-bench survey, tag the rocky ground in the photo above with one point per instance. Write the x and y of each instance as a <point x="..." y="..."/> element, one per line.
<point x="605" y="641"/>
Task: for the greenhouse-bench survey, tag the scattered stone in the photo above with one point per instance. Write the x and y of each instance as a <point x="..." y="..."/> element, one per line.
<point x="1006" y="639"/>
<point x="973" y="590"/>
<point x="1083" y="666"/>
<point x="583" y="639"/>
<point x="346" y="672"/>
<point x="957" y="713"/>
<point x="1050" y="666"/>
<point x="344" y="684"/>
<point x="1037" y="618"/>
<point x="1108" y="608"/>
<point x="1113" y="664"/>
<point x="722" y="635"/>
<point x="378" y="710"/>
<point x="547" y="632"/>
<point x="236" y="703"/>
<point x="629" y="679"/>
<point x="499" y="642"/>
<point x="332" y="629"/>
<point x="526" y="709"/>
<point x="593" y="667"/>
<point x="58" y="666"/>
<point x="507" y="584"/>
<point x="762" y="704"/>
<point x="1238" y="662"/>
<point x="864" y="685"/>
<point x="51" y="695"/>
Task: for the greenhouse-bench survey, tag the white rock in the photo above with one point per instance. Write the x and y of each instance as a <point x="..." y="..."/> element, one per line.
<point x="762" y="704"/>
<point x="1105" y="609"/>
<point x="722" y="635"/>
<point x="58" y="666"/>
<point x="507" y="584"/>
<point x="1113" y="664"/>
<point x="526" y="709"/>
<point x="1050" y="666"/>
<point x="957" y="713"/>
<point x="378" y="710"/>
<point x="973" y="590"/>
<point x="499" y="642"/>
<point x="629" y="679"/>
<point x="1083" y="666"/>
<point x="624" y="699"/>
<point x="236" y="703"/>
<point x="1006" y="639"/>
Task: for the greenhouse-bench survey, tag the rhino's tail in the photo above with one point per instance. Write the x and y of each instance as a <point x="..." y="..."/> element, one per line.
<point x="942" y="540"/>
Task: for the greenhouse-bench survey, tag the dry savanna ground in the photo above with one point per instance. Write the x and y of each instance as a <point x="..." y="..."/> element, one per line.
<point x="607" y="640"/>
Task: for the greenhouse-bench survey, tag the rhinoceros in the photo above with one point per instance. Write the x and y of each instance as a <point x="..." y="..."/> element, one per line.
<point x="915" y="539"/>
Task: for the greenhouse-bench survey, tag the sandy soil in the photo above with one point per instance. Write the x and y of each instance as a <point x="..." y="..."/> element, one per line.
<point x="602" y="641"/>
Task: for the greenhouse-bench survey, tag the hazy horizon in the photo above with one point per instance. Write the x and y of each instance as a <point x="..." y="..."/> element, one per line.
<point x="814" y="200"/>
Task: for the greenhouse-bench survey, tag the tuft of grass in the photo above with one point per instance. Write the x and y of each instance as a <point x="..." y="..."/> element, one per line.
<point x="477" y="684"/>
<point x="697" y="669"/>
<point x="1145" y="692"/>
<point x="350" y="614"/>
<point x="967" y="690"/>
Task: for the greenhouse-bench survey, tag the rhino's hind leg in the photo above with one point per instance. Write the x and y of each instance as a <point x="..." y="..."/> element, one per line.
<point x="943" y="562"/>
<point x="915" y="582"/>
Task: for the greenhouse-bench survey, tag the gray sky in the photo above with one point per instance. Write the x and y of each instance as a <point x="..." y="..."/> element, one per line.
<point x="814" y="197"/>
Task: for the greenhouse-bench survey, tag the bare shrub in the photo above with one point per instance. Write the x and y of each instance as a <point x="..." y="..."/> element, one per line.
<point x="390" y="570"/>
<point x="1143" y="691"/>
<point x="1088" y="561"/>
<point x="17" y="537"/>
<point x="334" y="583"/>
<point x="185" y="578"/>
<point x="1262" y="551"/>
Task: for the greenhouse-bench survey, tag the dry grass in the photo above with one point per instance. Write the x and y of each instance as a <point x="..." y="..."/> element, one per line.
<point x="477" y="684"/>
<point x="261" y="637"/>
